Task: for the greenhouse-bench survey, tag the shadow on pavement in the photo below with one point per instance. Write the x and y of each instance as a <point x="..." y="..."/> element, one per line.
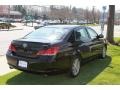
<point x="88" y="72"/>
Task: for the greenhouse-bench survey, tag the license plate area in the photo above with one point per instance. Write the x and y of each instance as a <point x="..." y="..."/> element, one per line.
<point x="22" y="64"/>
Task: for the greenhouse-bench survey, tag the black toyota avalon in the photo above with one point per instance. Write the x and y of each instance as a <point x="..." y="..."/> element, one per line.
<point x="56" y="47"/>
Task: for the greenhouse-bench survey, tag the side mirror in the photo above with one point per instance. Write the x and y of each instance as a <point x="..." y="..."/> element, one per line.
<point x="100" y="36"/>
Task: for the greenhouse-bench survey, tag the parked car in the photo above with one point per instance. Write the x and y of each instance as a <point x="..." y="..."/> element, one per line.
<point x="4" y="19"/>
<point x="42" y="24"/>
<point x="56" y="47"/>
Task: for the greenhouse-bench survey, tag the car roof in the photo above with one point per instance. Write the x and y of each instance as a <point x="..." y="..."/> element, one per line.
<point x="63" y="26"/>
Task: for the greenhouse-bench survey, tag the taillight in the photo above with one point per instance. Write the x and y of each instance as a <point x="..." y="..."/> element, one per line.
<point x="50" y="51"/>
<point x="12" y="48"/>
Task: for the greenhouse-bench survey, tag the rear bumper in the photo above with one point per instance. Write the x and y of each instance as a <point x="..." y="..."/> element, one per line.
<point x="42" y="64"/>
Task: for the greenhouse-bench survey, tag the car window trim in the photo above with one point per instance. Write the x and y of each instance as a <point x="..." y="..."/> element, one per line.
<point x="68" y="36"/>
<point x="89" y="33"/>
<point x="75" y="33"/>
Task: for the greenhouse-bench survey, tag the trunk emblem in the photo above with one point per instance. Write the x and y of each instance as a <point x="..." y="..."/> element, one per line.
<point x="24" y="45"/>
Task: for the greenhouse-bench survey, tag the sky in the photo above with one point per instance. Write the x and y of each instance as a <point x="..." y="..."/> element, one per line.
<point x="78" y="3"/>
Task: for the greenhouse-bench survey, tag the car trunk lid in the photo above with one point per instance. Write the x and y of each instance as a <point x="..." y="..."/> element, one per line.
<point x="29" y="48"/>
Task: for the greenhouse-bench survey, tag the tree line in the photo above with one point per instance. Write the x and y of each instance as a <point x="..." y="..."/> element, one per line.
<point x="62" y="13"/>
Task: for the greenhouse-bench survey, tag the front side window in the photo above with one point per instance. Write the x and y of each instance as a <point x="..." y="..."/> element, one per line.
<point x="92" y="33"/>
<point x="81" y="34"/>
<point x="49" y="33"/>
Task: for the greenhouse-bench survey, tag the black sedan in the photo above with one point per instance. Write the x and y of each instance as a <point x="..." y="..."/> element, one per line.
<point x="56" y="47"/>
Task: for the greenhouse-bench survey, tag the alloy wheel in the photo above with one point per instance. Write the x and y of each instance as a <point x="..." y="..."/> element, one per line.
<point x="76" y="67"/>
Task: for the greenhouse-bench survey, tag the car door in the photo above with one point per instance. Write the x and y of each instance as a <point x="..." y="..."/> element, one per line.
<point x="96" y="44"/>
<point x="82" y="42"/>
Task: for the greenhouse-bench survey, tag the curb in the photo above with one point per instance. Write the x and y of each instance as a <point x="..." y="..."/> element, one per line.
<point x="12" y="70"/>
<point x="4" y="68"/>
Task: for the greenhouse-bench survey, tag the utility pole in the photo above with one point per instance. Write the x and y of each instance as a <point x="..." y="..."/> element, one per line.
<point x="32" y="15"/>
<point x="93" y="12"/>
<point x="110" y="26"/>
<point x="103" y="19"/>
<point x="8" y="17"/>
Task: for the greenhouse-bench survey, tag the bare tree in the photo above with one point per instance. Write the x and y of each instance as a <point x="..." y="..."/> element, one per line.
<point x="93" y="14"/>
<point x="87" y="15"/>
<point x="97" y="16"/>
<point x="62" y="13"/>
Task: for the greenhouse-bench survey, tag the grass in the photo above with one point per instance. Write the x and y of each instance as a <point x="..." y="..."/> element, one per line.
<point x="105" y="71"/>
<point x="117" y="39"/>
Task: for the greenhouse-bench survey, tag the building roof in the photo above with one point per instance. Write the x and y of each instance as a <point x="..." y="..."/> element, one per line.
<point x="11" y="13"/>
<point x="15" y="13"/>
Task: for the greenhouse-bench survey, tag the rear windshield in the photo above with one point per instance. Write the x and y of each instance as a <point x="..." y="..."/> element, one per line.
<point x="49" y="33"/>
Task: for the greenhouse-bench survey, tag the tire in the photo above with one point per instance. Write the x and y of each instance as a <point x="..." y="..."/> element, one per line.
<point x="103" y="55"/>
<point x="75" y="67"/>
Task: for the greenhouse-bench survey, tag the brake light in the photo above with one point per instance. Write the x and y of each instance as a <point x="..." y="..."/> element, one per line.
<point x="12" y="48"/>
<point x="50" y="51"/>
